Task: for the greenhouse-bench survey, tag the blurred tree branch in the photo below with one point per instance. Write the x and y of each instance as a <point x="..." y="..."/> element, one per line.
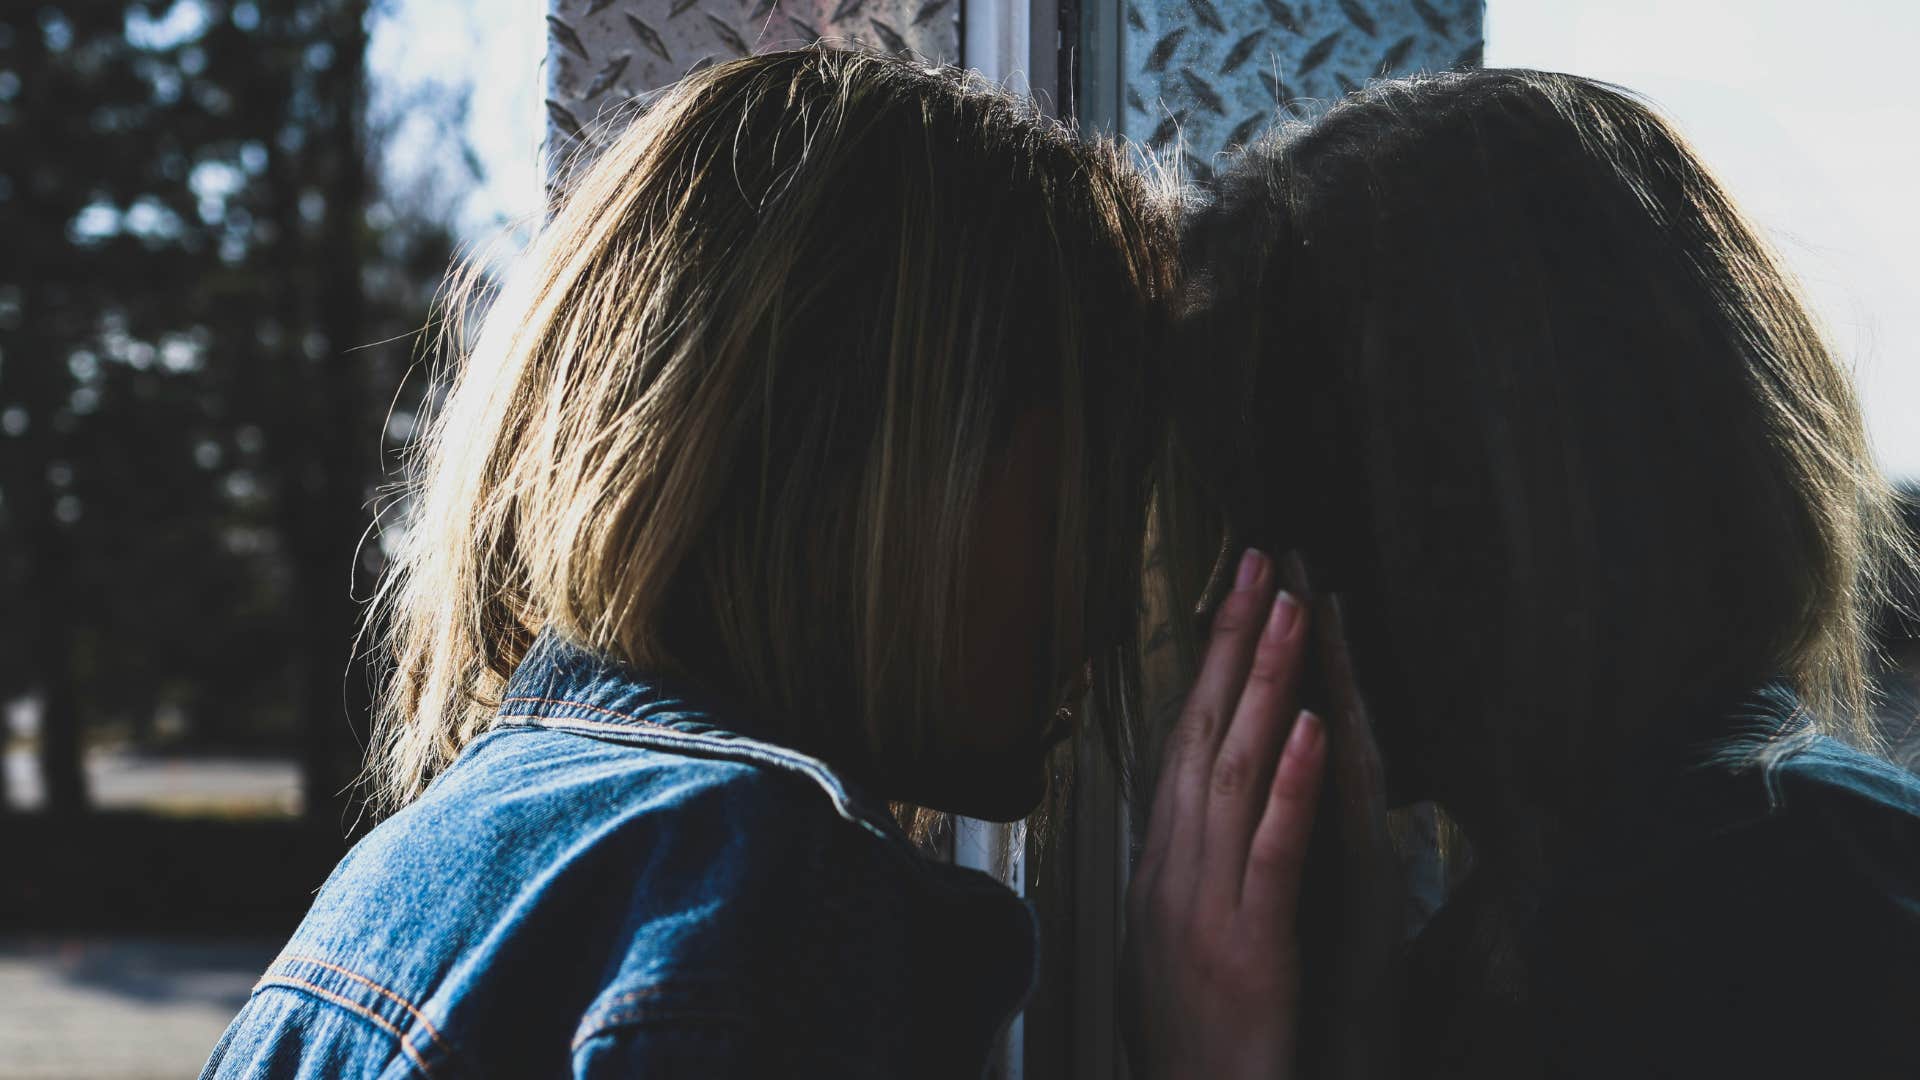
<point x="207" y="298"/>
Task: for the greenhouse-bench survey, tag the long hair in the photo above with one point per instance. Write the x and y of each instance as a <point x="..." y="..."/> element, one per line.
<point x="1505" y="362"/>
<point x="730" y="417"/>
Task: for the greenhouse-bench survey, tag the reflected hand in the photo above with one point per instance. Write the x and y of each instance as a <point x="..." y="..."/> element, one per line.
<point x="1212" y="958"/>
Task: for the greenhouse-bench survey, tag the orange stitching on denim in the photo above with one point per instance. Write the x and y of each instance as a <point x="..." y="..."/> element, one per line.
<point x="432" y="1032"/>
<point x="604" y="1019"/>
<point x="601" y="1018"/>
<point x="338" y="999"/>
<point x="578" y="705"/>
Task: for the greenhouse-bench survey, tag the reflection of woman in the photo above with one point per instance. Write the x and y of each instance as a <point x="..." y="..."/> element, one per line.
<point x="1521" y="384"/>
<point x="805" y="473"/>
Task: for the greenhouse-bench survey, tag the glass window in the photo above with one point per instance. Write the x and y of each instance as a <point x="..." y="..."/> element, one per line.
<point x="1815" y="142"/>
<point x="600" y="53"/>
<point x="1204" y="75"/>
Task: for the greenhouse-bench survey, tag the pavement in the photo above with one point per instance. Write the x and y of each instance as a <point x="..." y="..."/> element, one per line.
<point x="120" y="1008"/>
<point x="120" y="779"/>
<point x="81" y="1007"/>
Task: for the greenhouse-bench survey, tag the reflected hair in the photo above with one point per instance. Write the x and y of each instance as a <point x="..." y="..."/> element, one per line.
<point x="1513" y="371"/>
<point x="729" y="418"/>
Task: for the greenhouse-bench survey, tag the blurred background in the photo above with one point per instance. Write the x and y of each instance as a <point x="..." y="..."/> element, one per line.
<point x="222" y="227"/>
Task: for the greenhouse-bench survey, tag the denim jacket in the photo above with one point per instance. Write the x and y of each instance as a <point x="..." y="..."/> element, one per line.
<point x="615" y="882"/>
<point x="1713" y="914"/>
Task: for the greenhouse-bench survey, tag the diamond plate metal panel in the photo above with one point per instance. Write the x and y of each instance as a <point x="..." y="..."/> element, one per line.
<point x="603" y="52"/>
<point x="1210" y="74"/>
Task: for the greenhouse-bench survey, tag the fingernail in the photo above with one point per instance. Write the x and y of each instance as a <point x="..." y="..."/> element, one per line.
<point x="1306" y="731"/>
<point x="1293" y="571"/>
<point x="1286" y="612"/>
<point x="1251" y="563"/>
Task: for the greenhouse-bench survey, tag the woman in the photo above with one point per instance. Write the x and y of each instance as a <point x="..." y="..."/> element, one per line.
<point x="803" y="470"/>
<point x="1521" y="385"/>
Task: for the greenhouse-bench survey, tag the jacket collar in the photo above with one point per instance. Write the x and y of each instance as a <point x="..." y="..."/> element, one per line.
<point x="563" y="685"/>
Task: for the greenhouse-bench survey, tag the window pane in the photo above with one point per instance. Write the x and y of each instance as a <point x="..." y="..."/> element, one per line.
<point x="1807" y="115"/>
<point x="600" y="53"/>
<point x="1209" y="74"/>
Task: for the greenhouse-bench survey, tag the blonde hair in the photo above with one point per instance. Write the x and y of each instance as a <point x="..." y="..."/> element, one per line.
<point x="730" y="420"/>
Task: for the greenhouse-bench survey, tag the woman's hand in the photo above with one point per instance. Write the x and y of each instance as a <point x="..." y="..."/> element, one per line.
<point x="1212" y="957"/>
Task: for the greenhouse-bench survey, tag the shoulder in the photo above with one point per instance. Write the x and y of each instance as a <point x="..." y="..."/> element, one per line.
<point x="1825" y="832"/>
<point x="314" y="1035"/>
<point x="1840" y="847"/>
<point x="534" y="821"/>
<point x="524" y="798"/>
<point x="1805" y="904"/>
<point x="1826" y="776"/>
<point x="1836" y="839"/>
<point x="534" y="824"/>
<point x="552" y="885"/>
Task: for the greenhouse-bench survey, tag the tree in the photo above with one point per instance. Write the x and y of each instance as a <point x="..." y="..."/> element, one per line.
<point x="206" y="300"/>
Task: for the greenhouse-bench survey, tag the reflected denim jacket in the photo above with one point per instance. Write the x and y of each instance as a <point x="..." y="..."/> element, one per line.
<point x="615" y="882"/>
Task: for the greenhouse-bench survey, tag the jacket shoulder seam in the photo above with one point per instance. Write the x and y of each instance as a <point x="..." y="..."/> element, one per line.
<point x="433" y="1033"/>
<point x="389" y="1008"/>
<point x="741" y="751"/>
<point x="342" y="1001"/>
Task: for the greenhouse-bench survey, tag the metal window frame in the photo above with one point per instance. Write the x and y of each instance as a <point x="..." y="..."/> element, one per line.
<point x="1066" y="55"/>
<point x="1017" y="43"/>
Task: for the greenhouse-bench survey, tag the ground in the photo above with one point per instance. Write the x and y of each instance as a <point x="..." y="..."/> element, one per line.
<point x="87" y="1008"/>
<point x="121" y="1007"/>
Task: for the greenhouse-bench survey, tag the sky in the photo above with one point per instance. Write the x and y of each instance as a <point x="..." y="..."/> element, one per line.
<point x="496" y="51"/>
<point x="1810" y="115"/>
<point x="1808" y="112"/>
